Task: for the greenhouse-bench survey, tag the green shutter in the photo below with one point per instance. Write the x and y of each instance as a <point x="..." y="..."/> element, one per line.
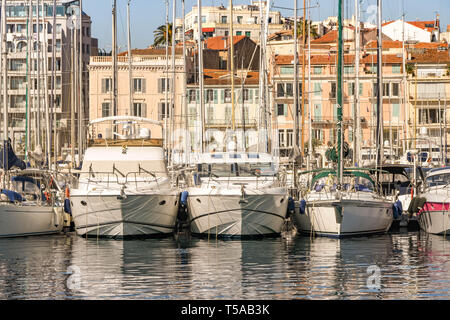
<point x="285" y="110"/>
<point x="215" y="96"/>
<point x="317" y="112"/>
<point x="250" y="95"/>
<point x="222" y="96"/>
<point x="360" y="89"/>
<point x="395" y="110"/>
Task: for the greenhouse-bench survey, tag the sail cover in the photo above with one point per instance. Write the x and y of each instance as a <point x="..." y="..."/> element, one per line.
<point x="12" y="159"/>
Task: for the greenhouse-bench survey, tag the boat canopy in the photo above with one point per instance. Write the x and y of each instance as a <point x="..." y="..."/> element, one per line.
<point x="346" y="173"/>
<point x="235" y="157"/>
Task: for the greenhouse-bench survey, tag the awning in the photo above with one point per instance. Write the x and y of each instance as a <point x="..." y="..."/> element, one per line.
<point x="208" y="29"/>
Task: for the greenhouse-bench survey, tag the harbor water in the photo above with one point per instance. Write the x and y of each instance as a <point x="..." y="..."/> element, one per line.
<point x="402" y="265"/>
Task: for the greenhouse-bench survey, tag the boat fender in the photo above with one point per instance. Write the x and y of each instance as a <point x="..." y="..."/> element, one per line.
<point x="398" y="209"/>
<point x="302" y="206"/>
<point x="67" y="206"/>
<point x="183" y="198"/>
<point x="416" y="204"/>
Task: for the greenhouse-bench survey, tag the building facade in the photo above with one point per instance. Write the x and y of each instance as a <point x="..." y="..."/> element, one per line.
<point x="67" y="33"/>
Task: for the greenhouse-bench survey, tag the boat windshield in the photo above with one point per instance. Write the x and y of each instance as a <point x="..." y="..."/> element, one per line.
<point x="438" y="179"/>
<point x="237" y="170"/>
<point x="349" y="183"/>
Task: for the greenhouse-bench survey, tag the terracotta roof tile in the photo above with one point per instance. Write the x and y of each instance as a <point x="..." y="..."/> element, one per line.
<point x="221" y="43"/>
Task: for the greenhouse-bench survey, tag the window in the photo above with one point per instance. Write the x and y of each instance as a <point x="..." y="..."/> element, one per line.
<point x="289" y="89"/>
<point x="317" y="89"/>
<point x="192" y="96"/>
<point x="224" y="19"/>
<point x="395" y="110"/>
<point x="351" y="89"/>
<point x="290" y="137"/>
<point x="287" y="70"/>
<point x="239" y="19"/>
<point x="386" y="90"/>
<point x="162" y="111"/>
<point x="395" y="89"/>
<point x="248" y="34"/>
<point x="139" y="109"/>
<point x="139" y="85"/>
<point x="317" y="70"/>
<point x="239" y="33"/>
<point x="162" y="85"/>
<point x="281" y="109"/>
<point x="209" y="95"/>
<point x="106" y="85"/>
<point x="227" y="95"/>
<point x="333" y="90"/>
<point x="58" y="28"/>
<point x="246" y="95"/>
<point x="106" y="109"/>
<point x="349" y="69"/>
<point x="396" y="68"/>
<point x="280" y="90"/>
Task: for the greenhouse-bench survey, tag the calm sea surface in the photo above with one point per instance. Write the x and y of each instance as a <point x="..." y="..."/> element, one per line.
<point x="409" y="265"/>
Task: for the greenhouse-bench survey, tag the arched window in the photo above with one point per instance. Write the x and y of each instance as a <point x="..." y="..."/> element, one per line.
<point x="10" y="46"/>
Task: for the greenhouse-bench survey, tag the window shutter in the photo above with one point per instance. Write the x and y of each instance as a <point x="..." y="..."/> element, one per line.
<point x="144" y="89"/>
<point x="360" y="89"/>
<point x="222" y="96"/>
<point x="250" y="95"/>
<point x="160" y="85"/>
<point x="103" y="85"/>
<point x="160" y="106"/>
<point x="215" y="96"/>
<point x="144" y="110"/>
<point x="285" y="110"/>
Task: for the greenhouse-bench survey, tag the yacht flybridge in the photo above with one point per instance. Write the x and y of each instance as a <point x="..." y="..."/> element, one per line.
<point x="124" y="189"/>
<point x="236" y="194"/>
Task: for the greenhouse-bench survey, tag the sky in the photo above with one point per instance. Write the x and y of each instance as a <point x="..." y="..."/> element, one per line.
<point x="147" y="15"/>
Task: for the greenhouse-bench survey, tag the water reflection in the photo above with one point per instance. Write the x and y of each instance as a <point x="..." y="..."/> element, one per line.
<point x="412" y="265"/>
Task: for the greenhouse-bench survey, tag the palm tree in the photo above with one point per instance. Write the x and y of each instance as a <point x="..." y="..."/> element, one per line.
<point x="313" y="29"/>
<point x="160" y="35"/>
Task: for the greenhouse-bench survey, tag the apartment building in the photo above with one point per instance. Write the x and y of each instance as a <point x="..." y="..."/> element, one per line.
<point x="67" y="34"/>
<point x="149" y="89"/>
<point x="220" y="112"/>
<point x="216" y="21"/>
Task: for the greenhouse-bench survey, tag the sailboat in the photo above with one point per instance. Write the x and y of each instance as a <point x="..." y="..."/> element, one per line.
<point x="30" y="199"/>
<point x="235" y="193"/>
<point x="343" y="202"/>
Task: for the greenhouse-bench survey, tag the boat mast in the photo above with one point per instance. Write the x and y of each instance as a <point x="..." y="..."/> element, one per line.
<point x="81" y="95"/>
<point x="200" y="76"/>
<point x="296" y="111"/>
<point x="356" y="108"/>
<point x="5" y="93"/>
<point x="29" y="63"/>
<point x="172" y="89"/>
<point x="405" y="85"/>
<point x="114" y="57"/>
<point x="166" y="83"/>
<point x="310" y="147"/>
<point x="339" y="95"/>
<point x="48" y="148"/>
<point x="130" y="59"/>
<point x="53" y="95"/>
<point x="185" y="104"/>
<point x="303" y="79"/>
<point x="38" y="115"/>
<point x="231" y="58"/>
<point x="379" y="136"/>
<point x="261" y="74"/>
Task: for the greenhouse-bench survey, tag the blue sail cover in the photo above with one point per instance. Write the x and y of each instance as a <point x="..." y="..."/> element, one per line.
<point x="13" y="161"/>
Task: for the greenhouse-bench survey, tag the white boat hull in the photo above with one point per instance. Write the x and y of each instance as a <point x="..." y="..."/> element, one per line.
<point x="341" y="218"/>
<point x="435" y="222"/>
<point x="22" y="220"/>
<point x="234" y="216"/>
<point x="131" y="216"/>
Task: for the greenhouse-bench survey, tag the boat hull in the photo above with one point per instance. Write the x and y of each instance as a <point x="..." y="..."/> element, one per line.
<point x="344" y="218"/>
<point x="234" y="216"/>
<point x="435" y="218"/>
<point x="21" y="220"/>
<point x="114" y="216"/>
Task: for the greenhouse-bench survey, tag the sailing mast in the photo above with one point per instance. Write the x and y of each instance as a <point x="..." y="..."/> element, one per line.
<point x="356" y="108"/>
<point x="200" y="77"/>
<point x="405" y="85"/>
<point x="5" y="94"/>
<point x="80" y="80"/>
<point x="379" y="136"/>
<point x="53" y="95"/>
<point x="310" y="147"/>
<point x="295" y="92"/>
<point x="130" y="59"/>
<point x="231" y="58"/>
<point x="303" y="78"/>
<point x="339" y="95"/>
<point x="166" y="83"/>
<point x="29" y="64"/>
<point x="172" y="89"/>
<point x="185" y="104"/>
